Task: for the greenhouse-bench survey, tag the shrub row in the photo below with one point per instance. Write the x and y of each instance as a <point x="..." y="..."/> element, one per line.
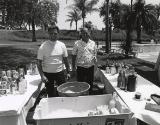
<point x="96" y="35"/>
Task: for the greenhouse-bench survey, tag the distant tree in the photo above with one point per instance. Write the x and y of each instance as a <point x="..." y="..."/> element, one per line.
<point x="158" y="11"/>
<point x="128" y="24"/>
<point x="114" y="10"/>
<point x="47" y="12"/>
<point x="3" y="10"/>
<point x="85" y="6"/>
<point x="12" y="13"/>
<point x="145" y="16"/>
<point x="42" y="12"/>
<point x="32" y="12"/>
<point x="74" y="16"/>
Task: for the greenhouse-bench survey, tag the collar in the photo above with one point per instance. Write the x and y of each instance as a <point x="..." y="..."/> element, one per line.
<point x="86" y="42"/>
<point x="51" y="42"/>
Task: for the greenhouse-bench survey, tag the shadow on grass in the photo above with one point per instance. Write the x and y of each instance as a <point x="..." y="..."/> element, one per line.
<point x="21" y="40"/>
<point x="11" y="57"/>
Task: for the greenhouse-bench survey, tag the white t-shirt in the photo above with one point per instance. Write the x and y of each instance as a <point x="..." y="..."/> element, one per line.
<point x="51" y="54"/>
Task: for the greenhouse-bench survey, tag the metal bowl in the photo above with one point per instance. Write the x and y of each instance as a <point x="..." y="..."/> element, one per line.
<point x="72" y="89"/>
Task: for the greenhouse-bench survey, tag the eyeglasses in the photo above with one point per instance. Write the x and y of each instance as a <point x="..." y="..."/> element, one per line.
<point x="84" y="34"/>
<point x="53" y="33"/>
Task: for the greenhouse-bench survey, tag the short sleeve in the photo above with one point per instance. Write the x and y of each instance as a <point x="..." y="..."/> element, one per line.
<point x="74" y="51"/>
<point x="40" y="53"/>
<point x="65" y="53"/>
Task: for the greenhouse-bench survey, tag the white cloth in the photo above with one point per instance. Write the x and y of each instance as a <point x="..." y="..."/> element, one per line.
<point x="146" y="88"/>
<point x="14" y="108"/>
<point x="51" y="54"/>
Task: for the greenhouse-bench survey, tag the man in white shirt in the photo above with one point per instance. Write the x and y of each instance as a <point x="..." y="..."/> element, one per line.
<point x="84" y="58"/>
<point x="53" y="61"/>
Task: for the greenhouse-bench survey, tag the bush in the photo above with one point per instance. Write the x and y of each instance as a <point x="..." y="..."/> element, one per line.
<point x="96" y="35"/>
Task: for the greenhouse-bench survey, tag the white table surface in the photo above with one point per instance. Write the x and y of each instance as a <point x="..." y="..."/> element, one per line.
<point x="146" y="88"/>
<point x="14" y="108"/>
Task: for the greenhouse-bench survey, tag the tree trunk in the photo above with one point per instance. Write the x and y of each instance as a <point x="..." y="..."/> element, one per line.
<point x="76" y="25"/>
<point x="33" y="31"/>
<point x="139" y="34"/>
<point x="138" y="29"/>
<point x="128" y="41"/>
<point x="3" y="17"/>
<point x="29" y="25"/>
<point x="131" y="4"/>
<point x="83" y="22"/>
<point x="110" y="34"/>
<point x="107" y="28"/>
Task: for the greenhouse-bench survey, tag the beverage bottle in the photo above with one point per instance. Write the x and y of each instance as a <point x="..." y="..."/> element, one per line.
<point x="123" y="85"/>
<point x="113" y="104"/>
<point x="4" y="81"/>
<point x="9" y="73"/>
<point x="113" y="69"/>
<point x="21" y="72"/>
<point x="15" y="77"/>
<point x="107" y="69"/>
<point x="10" y="82"/>
<point x="132" y="80"/>
<point x="119" y="79"/>
<point x="22" y="84"/>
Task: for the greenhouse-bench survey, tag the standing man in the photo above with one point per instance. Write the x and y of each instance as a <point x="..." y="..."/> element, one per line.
<point x="84" y="58"/>
<point x="53" y="61"/>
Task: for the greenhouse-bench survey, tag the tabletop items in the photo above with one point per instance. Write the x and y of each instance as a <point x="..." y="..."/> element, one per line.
<point x="13" y="81"/>
<point x="32" y="68"/>
<point x="127" y="77"/>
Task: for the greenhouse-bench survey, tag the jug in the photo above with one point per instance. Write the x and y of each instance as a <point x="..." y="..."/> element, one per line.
<point x="131" y="84"/>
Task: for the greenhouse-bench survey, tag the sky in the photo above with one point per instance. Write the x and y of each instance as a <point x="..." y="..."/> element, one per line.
<point x="93" y="17"/>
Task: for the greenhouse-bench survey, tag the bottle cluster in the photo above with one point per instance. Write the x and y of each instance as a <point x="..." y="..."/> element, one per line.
<point x="13" y="81"/>
<point x="113" y="67"/>
<point x="33" y="69"/>
<point x="127" y="78"/>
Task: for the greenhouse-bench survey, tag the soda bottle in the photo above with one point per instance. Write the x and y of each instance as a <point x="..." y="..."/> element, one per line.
<point x="119" y="79"/>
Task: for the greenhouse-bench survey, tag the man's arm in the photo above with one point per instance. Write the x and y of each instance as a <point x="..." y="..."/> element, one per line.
<point x="66" y="62"/>
<point x="39" y="65"/>
<point x="74" y="62"/>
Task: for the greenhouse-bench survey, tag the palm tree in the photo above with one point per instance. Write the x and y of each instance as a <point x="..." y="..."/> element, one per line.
<point x="128" y="23"/>
<point x="114" y="10"/>
<point x="131" y="4"/>
<point x="145" y="16"/>
<point x="74" y="16"/>
<point x="158" y="11"/>
<point x="41" y="13"/>
<point x="141" y="16"/>
<point x="85" y="6"/>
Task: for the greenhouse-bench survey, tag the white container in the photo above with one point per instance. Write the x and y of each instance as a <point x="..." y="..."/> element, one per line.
<point x="22" y="86"/>
<point x="73" y="111"/>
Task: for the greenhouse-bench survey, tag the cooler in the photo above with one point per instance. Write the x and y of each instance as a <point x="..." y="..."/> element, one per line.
<point x="76" y="110"/>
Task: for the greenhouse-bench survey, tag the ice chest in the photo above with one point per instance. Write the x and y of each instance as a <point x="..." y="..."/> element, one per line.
<point x="72" y="111"/>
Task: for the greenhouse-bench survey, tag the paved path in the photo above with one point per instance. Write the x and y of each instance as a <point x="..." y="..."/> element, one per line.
<point x="149" y="56"/>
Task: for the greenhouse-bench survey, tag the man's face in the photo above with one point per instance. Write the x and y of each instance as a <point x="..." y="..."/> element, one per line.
<point x="84" y="35"/>
<point x="53" y="34"/>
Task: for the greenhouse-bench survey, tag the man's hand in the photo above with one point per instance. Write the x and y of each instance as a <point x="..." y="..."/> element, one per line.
<point x="68" y="76"/>
<point x="44" y="79"/>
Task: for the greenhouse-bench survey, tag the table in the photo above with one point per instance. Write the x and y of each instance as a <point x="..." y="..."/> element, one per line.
<point x="14" y="108"/>
<point x="136" y="106"/>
